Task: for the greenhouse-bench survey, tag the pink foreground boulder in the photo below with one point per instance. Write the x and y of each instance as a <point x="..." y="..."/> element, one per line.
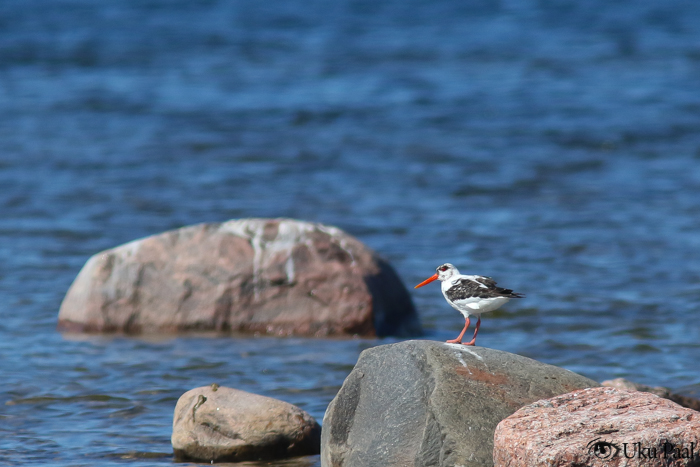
<point x="603" y="427"/>
<point x="269" y="276"/>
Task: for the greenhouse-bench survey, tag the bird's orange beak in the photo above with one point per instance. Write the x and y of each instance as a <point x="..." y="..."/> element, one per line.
<point x="427" y="281"/>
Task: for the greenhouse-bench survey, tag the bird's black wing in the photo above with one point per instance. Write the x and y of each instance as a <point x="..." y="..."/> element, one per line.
<point x="479" y="287"/>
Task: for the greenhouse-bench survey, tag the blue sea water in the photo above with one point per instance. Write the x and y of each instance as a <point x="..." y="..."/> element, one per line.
<point x="553" y="145"/>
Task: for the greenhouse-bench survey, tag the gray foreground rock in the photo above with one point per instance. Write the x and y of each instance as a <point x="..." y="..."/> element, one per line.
<point x="426" y="403"/>
<point x="599" y="427"/>
<point x="220" y="424"/>
<point x="269" y="276"/>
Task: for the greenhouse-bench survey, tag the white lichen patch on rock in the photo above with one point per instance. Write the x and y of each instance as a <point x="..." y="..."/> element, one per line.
<point x="464" y="348"/>
<point x="289" y="234"/>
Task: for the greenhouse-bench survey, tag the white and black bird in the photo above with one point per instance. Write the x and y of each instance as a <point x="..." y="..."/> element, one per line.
<point x="470" y="295"/>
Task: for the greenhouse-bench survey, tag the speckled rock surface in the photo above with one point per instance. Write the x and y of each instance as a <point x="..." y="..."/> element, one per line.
<point x="220" y="424"/>
<point x="270" y="276"/>
<point x="599" y="427"/>
<point x="426" y="403"/>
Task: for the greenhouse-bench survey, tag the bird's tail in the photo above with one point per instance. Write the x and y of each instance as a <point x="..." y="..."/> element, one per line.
<point x="509" y="293"/>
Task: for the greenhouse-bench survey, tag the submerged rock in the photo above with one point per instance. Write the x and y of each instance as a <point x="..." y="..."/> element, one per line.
<point x="680" y="399"/>
<point x="270" y="276"/>
<point x="425" y="403"/>
<point x="604" y="427"/>
<point x="221" y="424"/>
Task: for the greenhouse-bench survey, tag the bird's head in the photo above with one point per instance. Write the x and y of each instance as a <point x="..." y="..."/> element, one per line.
<point x="442" y="273"/>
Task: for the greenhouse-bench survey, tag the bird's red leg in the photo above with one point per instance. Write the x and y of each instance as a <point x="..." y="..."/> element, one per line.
<point x="476" y="331"/>
<point x="459" y="338"/>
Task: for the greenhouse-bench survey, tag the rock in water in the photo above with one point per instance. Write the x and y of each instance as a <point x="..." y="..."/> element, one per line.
<point x="220" y="424"/>
<point x="600" y="427"/>
<point x="680" y="399"/>
<point x="622" y="383"/>
<point x="425" y="403"/>
<point x="270" y="276"/>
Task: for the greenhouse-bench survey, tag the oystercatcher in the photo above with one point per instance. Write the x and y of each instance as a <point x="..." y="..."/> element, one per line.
<point x="470" y="295"/>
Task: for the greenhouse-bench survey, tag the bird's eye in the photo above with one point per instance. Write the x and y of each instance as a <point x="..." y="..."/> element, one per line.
<point x="443" y="268"/>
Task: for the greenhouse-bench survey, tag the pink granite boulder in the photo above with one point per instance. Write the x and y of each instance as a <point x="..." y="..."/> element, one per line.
<point x="599" y="427"/>
<point x="268" y="276"/>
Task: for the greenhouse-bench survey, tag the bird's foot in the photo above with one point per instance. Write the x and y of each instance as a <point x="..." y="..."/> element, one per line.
<point x="454" y="341"/>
